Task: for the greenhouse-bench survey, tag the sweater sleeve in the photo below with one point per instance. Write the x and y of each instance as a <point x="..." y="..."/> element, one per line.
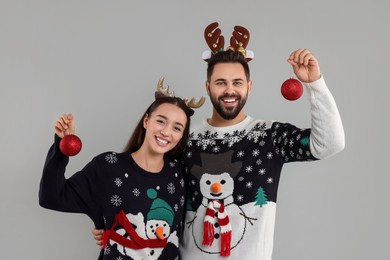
<point x="77" y="194"/>
<point x="327" y="132"/>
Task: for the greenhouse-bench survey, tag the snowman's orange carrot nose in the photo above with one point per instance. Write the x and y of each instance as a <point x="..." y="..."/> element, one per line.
<point x="216" y="187"/>
<point x="160" y="233"/>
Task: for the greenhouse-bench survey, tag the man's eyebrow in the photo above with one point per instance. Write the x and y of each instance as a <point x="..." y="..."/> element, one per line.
<point x="220" y="80"/>
<point x="224" y="80"/>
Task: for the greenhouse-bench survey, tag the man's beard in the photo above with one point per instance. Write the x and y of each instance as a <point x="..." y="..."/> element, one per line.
<point x="228" y="113"/>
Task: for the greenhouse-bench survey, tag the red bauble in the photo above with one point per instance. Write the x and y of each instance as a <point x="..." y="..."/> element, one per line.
<point x="70" y="145"/>
<point x="292" y="89"/>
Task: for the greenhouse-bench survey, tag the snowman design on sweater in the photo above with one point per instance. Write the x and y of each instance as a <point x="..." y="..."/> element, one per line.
<point x="155" y="226"/>
<point x="233" y="175"/>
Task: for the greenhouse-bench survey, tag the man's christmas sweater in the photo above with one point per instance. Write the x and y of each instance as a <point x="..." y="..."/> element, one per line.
<point x="233" y="175"/>
<point x="119" y="196"/>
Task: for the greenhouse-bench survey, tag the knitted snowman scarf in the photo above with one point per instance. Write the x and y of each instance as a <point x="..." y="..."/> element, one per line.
<point x="224" y="225"/>
<point x="136" y="241"/>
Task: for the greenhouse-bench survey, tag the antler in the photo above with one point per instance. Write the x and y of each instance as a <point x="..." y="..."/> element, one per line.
<point x="240" y="37"/>
<point x="164" y="90"/>
<point x="213" y="37"/>
<point x="192" y="104"/>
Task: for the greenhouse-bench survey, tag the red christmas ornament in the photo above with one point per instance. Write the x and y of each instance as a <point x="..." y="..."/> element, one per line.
<point x="292" y="89"/>
<point x="70" y="145"/>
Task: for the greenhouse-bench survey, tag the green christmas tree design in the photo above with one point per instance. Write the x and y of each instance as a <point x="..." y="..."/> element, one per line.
<point x="261" y="197"/>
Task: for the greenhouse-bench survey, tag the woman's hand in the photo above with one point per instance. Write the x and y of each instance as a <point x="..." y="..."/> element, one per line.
<point x="64" y="125"/>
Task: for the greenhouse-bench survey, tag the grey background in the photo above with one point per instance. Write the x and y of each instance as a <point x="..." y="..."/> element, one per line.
<point x="101" y="61"/>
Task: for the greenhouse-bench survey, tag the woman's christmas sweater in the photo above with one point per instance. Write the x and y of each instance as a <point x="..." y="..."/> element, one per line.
<point x="233" y="175"/>
<point x="142" y="211"/>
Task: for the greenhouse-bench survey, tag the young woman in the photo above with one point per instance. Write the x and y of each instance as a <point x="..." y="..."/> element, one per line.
<point x="137" y="196"/>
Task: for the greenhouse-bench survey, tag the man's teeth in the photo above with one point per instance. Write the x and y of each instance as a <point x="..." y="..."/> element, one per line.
<point x="229" y="100"/>
<point x="162" y="140"/>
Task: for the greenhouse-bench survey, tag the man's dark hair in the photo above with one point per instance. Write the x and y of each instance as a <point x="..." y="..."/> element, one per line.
<point x="228" y="56"/>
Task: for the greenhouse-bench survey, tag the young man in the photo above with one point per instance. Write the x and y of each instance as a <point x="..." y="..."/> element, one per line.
<point x="233" y="162"/>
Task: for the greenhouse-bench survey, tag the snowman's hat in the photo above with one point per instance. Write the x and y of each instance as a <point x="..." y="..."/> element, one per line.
<point x="160" y="209"/>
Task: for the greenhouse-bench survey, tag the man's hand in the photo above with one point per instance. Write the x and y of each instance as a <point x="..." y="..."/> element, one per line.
<point x="97" y="235"/>
<point x="305" y="65"/>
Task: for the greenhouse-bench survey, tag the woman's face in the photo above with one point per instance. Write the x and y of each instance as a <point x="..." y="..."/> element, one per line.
<point x="164" y="128"/>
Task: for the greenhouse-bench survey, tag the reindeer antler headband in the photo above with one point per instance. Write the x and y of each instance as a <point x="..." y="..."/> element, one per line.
<point x="164" y="91"/>
<point x="238" y="41"/>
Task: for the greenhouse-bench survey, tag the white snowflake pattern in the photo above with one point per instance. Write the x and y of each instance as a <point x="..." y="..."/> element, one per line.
<point x="255" y="153"/>
<point x="136" y="192"/>
<point x="292" y="153"/>
<point x="269" y="155"/>
<point x="249" y="168"/>
<point x="270" y="180"/>
<point x="119" y="258"/>
<point x="300" y="151"/>
<point x="171" y="188"/>
<point x="118" y="182"/>
<point x="172" y="164"/>
<point x="216" y="149"/>
<point x="298" y="137"/>
<point x="291" y="143"/>
<point x="116" y="200"/>
<point x="189" y="154"/>
<point x="182" y="200"/>
<point x="193" y="182"/>
<point x="231" y="140"/>
<point x="176" y="207"/>
<point x="111" y="158"/>
<point x="262" y="143"/>
<point x="240" y="197"/>
<point x="254" y="135"/>
<point x="182" y="183"/>
<point x="285" y="134"/>
<point x="205" y="143"/>
<point x="262" y="171"/>
<point x="259" y="161"/>
<point x="240" y="154"/>
<point x="282" y="152"/>
<point x="249" y="184"/>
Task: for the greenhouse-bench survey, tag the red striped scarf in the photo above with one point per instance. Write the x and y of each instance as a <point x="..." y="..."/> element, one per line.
<point x="224" y="226"/>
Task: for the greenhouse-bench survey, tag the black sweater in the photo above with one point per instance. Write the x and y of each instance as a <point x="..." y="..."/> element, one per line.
<point x="113" y="182"/>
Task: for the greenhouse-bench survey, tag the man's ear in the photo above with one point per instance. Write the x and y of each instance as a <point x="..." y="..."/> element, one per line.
<point x="207" y="87"/>
<point x="249" y="86"/>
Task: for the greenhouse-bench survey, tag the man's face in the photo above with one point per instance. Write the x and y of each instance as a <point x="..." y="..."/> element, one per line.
<point x="228" y="89"/>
